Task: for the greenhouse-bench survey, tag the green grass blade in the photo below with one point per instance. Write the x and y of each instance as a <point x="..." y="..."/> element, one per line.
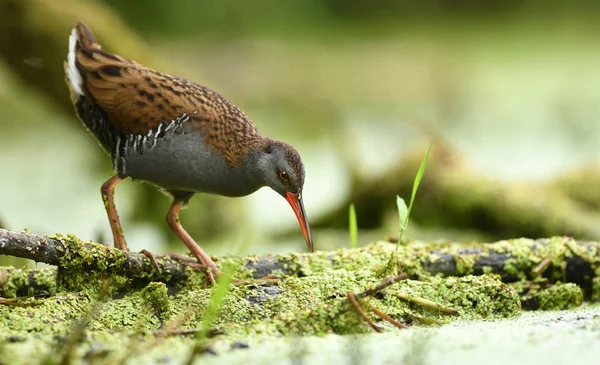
<point x="217" y="298"/>
<point x="402" y="210"/>
<point x="416" y="183"/>
<point x="219" y="293"/>
<point x="418" y="178"/>
<point x="353" y="226"/>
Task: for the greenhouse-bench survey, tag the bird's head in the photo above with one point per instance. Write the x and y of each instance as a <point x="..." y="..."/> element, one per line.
<point x="281" y="169"/>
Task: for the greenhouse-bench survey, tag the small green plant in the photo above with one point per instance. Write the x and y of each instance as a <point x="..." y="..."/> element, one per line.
<point x="403" y="210"/>
<point x="353" y="226"/>
<point x="219" y="292"/>
<point x="404" y="214"/>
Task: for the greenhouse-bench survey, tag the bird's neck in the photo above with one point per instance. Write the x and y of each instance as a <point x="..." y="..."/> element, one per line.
<point x="258" y="165"/>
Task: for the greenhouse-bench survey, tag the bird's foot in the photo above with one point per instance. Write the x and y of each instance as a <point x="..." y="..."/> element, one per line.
<point x="212" y="272"/>
<point x="186" y="260"/>
<point x="150" y="256"/>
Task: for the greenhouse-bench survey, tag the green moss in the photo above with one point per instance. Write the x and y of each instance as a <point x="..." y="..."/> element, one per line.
<point x="540" y="295"/>
<point x="155" y="295"/>
<point x="560" y="296"/>
<point x="310" y="298"/>
<point x="74" y="272"/>
<point x="595" y="289"/>
<point x="464" y="264"/>
<point x="306" y="305"/>
<point x="511" y="267"/>
<point x="27" y="282"/>
<point x="14" y="279"/>
<point x="52" y="316"/>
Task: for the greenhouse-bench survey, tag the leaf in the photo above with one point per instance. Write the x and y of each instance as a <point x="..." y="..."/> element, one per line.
<point x="402" y="210"/>
<point x="419" y="176"/>
<point x="219" y="292"/>
<point x="405" y="215"/>
<point x="353" y="226"/>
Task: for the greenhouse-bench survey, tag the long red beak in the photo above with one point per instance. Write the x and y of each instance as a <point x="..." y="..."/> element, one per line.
<point x="297" y="205"/>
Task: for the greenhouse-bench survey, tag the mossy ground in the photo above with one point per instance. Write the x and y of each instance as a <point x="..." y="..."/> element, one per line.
<point x="309" y="300"/>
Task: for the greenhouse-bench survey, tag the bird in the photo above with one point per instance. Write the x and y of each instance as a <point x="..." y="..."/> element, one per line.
<point x="180" y="136"/>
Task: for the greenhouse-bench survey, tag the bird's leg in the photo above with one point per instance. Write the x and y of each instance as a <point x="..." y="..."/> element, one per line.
<point x="197" y="251"/>
<point x="108" y="193"/>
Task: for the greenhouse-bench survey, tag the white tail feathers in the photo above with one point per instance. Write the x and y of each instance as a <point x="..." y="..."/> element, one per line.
<point x="73" y="74"/>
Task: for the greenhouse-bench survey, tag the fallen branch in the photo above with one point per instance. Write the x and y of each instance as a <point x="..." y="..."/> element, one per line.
<point x="555" y="259"/>
<point x="69" y="254"/>
<point x="558" y="259"/>
<point x="90" y="256"/>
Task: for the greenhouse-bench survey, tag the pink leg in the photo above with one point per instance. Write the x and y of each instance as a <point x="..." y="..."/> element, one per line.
<point x="197" y="251"/>
<point x="108" y="193"/>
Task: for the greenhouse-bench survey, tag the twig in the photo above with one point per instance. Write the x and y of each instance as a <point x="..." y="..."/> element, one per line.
<point x="266" y="279"/>
<point x="384" y="284"/>
<point x="387" y="318"/>
<point x="355" y="298"/>
<point x="579" y="266"/>
<point x="18" y="302"/>
<point x="539" y="270"/>
<point x="140" y="267"/>
<point x="425" y="303"/>
<point x="361" y="312"/>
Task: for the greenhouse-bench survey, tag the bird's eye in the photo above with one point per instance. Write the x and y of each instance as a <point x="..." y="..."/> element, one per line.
<point x="283" y="175"/>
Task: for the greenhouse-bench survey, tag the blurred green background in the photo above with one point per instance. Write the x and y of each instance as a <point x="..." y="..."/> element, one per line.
<point x="510" y="89"/>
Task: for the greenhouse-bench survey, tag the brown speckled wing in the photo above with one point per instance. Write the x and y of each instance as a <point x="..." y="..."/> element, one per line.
<point x="137" y="99"/>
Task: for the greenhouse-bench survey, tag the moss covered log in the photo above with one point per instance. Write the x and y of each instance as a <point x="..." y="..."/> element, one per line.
<point x="66" y="310"/>
<point x="82" y="265"/>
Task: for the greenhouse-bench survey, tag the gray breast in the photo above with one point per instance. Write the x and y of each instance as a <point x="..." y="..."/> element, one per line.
<point x="175" y="157"/>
